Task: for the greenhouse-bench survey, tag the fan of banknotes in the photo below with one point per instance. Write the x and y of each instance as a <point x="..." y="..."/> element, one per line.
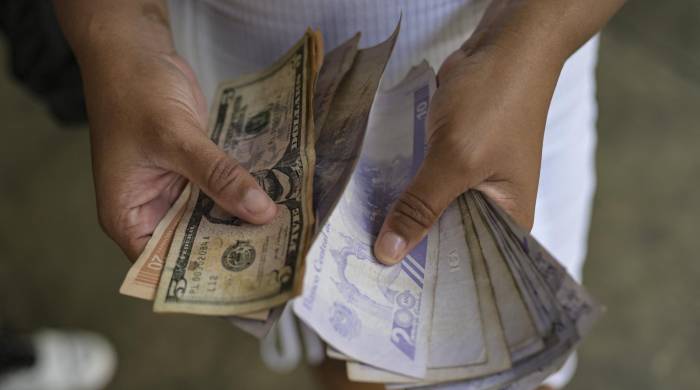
<point x="479" y="304"/>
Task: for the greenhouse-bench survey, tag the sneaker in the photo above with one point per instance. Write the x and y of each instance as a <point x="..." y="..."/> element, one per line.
<point x="65" y="361"/>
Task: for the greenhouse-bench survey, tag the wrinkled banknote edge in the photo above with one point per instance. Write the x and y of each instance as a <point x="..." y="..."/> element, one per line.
<point x="365" y="373"/>
<point x="542" y="364"/>
<point x="528" y="381"/>
<point x="584" y="310"/>
<point x="559" y="346"/>
<point x="316" y="45"/>
<point x="341" y="59"/>
<point x="563" y="326"/>
<point x="541" y="311"/>
<point x="544" y="299"/>
<point x="531" y="370"/>
<point x="521" y="335"/>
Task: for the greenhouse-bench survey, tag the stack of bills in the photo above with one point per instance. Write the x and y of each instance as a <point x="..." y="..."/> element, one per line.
<point x="479" y="304"/>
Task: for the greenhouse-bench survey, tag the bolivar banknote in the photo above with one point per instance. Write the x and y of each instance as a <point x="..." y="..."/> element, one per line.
<point x="496" y="350"/>
<point x="457" y="337"/>
<point x="575" y="311"/>
<point x="568" y="307"/>
<point x="218" y="264"/>
<point x="370" y="312"/>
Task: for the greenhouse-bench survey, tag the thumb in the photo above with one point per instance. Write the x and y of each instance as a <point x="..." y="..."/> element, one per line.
<point x="416" y="210"/>
<point x="223" y="178"/>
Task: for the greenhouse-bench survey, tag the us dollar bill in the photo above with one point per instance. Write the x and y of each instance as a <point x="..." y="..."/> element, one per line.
<point x="218" y="264"/>
<point x="142" y="278"/>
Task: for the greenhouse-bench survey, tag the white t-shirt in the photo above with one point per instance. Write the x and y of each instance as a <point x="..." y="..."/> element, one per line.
<point x="223" y="39"/>
<point x="226" y="38"/>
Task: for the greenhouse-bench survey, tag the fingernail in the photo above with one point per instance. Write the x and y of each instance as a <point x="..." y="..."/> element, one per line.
<point x="256" y="201"/>
<point x="390" y="247"/>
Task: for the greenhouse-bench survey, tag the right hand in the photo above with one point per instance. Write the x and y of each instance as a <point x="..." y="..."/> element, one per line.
<point x="485" y="131"/>
<point x="148" y="133"/>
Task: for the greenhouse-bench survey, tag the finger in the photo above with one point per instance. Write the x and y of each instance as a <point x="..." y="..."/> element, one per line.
<point x="416" y="210"/>
<point x="131" y="224"/>
<point x="223" y="179"/>
<point x="141" y="221"/>
<point x="138" y="225"/>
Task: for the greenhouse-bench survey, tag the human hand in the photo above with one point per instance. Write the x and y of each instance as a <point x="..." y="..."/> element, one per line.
<point x="148" y="136"/>
<point x="485" y="131"/>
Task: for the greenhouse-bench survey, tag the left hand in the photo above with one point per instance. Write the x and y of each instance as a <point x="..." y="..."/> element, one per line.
<point x="485" y="131"/>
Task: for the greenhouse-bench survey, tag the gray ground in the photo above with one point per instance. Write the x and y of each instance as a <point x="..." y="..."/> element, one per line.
<point x="58" y="269"/>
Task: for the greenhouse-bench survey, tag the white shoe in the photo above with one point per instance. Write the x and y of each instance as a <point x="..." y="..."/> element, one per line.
<point x="65" y="361"/>
<point x="561" y="378"/>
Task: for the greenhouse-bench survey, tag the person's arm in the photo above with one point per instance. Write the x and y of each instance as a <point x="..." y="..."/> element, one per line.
<point x="487" y="117"/>
<point x="147" y="121"/>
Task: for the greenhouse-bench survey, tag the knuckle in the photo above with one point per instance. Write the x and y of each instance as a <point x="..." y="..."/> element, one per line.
<point x="224" y="174"/>
<point x="411" y="211"/>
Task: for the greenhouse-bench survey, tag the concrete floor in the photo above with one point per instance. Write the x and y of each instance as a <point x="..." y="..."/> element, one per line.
<point x="59" y="270"/>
